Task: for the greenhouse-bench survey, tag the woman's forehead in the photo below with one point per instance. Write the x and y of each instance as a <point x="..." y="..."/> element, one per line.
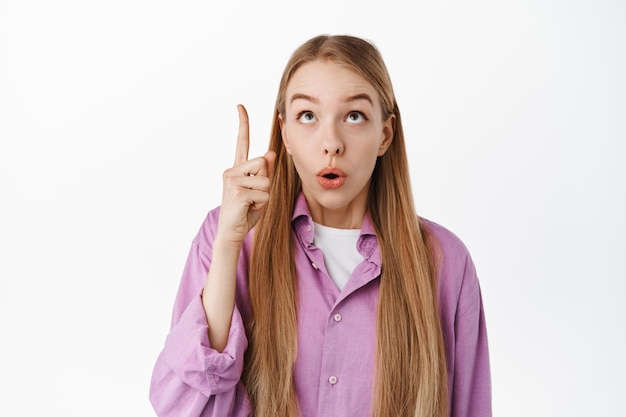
<point x="322" y="80"/>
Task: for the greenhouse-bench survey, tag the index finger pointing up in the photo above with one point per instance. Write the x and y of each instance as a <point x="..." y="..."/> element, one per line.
<point x="243" y="137"/>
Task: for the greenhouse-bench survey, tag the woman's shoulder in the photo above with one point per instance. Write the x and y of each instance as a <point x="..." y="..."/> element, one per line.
<point x="208" y="229"/>
<point x="458" y="282"/>
<point x="448" y="241"/>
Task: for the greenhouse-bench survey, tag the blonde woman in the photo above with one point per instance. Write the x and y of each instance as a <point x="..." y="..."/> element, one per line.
<point x="315" y="289"/>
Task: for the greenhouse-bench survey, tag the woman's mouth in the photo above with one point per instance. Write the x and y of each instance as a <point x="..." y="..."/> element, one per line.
<point x="331" y="178"/>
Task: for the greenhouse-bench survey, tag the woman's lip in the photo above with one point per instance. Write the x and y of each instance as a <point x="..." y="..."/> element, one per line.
<point x="331" y="183"/>
<point x="331" y="171"/>
<point x="331" y="178"/>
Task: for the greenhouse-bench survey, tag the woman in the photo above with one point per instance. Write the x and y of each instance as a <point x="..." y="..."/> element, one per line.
<point x="315" y="289"/>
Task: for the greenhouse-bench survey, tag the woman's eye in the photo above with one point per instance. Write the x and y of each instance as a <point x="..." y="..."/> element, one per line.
<point x="306" y="117"/>
<point x="355" y="117"/>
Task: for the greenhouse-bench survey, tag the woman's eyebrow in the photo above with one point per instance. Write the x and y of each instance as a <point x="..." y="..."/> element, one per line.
<point x="356" y="97"/>
<point x="362" y="96"/>
<point x="300" y="96"/>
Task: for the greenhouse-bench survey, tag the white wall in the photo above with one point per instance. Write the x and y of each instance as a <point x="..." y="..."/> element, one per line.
<point x="117" y="119"/>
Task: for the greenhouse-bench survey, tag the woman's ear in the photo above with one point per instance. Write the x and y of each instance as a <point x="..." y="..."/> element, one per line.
<point x="389" y="127"/>
<point x="283" y="133"/>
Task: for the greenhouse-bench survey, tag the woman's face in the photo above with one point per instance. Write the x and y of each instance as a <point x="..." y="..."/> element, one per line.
<point x="334" y="130"/>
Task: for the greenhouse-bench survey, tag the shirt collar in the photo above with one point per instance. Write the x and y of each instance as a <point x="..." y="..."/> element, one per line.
<point x="302" y="224"/>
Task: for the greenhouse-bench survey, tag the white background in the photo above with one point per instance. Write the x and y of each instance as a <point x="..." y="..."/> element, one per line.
<point x="117" y="119"/>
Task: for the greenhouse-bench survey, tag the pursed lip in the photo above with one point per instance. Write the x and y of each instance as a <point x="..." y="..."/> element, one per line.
<point x="331" y="178"/>
<point x="331" y="173"/>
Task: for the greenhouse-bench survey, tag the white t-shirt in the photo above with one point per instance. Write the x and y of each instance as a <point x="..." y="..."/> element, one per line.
<point x="339" y="249"/>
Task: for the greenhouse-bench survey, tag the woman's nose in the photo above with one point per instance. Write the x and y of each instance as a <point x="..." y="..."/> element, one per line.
<point x="333" y="145"/>
<point x="336" y="150"/>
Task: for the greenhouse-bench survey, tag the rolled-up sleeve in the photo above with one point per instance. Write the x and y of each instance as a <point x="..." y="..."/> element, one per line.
<point x="190" y="378"/>
<point x="189" y="354"/>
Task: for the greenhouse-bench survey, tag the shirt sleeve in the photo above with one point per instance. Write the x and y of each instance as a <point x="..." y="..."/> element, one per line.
<point x="471" y="380"/>
<point x="190" y="378"/>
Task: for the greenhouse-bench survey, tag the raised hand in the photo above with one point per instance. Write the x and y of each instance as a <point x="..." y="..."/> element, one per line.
<point x="245" y="194"/>
<point x="246" y="187"/>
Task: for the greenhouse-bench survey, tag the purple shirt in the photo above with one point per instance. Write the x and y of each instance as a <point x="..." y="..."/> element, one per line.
<point x="336" y="332"/>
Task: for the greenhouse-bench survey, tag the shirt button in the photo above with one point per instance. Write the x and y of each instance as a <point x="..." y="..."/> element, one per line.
<point x="332" y="379"/>
<point x="313" y="265"/>
<point x="337" y="317"/>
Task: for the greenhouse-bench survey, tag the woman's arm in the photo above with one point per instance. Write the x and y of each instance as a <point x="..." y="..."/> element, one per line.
<point x="190" y="377"/>
<point x="471" y="382"/>
<point x="198" y="372"/>
<point x="245" y="193"/>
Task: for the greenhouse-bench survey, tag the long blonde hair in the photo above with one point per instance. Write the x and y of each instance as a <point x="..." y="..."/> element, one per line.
<point x="411" y="377"/>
